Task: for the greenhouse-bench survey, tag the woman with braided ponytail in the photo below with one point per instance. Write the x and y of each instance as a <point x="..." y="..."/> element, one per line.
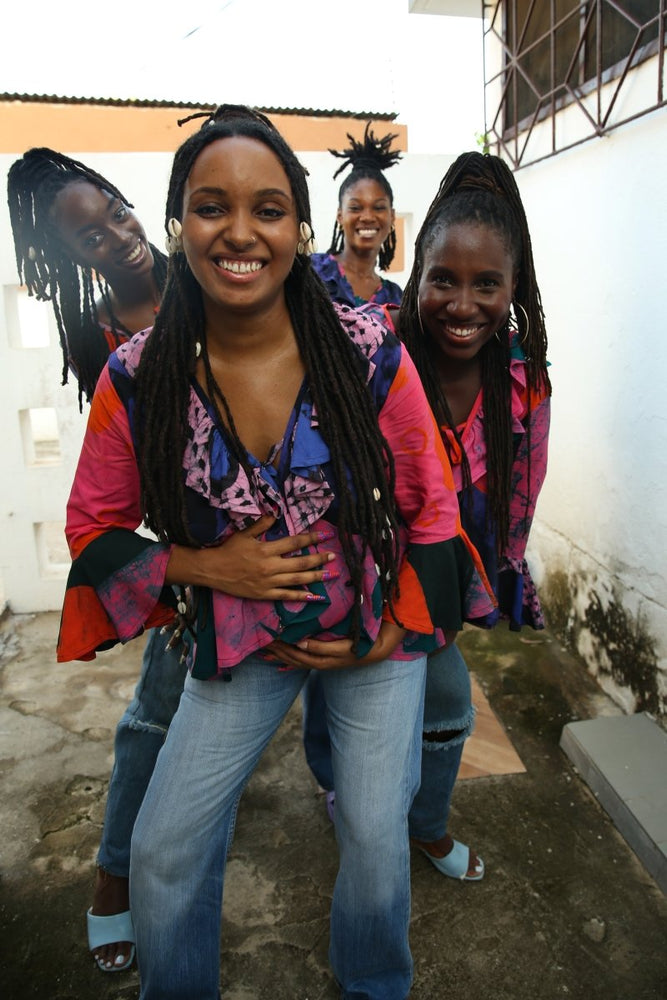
<point x="76" y="237"/>
<point x="254" y="395"/>
<point x="472" y="320"/>
<point x="364" y="236"/>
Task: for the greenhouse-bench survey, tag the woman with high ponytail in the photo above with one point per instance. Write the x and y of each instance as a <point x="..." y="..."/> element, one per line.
<point x="364" y="234"/>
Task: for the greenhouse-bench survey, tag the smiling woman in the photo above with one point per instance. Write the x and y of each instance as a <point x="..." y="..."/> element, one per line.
<point x="364" y="235"/>
<point x="80" y="246"/>
<point x="255" y="404"/>
<point x="240" y="239"/>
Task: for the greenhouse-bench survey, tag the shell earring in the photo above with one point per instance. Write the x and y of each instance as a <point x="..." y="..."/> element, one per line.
<point x="174" y="243"/>
<point x="306" y="244"/>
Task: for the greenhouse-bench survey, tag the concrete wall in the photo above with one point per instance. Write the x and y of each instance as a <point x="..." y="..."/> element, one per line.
<point x="598" y="218"/>
<point x="39" y="462"/>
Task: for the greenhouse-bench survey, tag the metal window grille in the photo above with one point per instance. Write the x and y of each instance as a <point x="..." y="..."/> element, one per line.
<point x="543" y="57"/>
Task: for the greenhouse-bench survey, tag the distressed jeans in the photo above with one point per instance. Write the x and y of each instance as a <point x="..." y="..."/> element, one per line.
<point x="186" y="823"/>
<point x="447" y="707"/>
<point x="139" y="738"/>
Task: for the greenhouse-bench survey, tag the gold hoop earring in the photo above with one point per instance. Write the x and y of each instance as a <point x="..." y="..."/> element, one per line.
<point x="525" y="316"/>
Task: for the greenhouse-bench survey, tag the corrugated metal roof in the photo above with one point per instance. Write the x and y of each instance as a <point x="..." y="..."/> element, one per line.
<point x="193" y="106"/>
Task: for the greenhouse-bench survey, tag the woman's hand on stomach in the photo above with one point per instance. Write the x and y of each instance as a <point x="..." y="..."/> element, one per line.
<point x="245" y="566"/>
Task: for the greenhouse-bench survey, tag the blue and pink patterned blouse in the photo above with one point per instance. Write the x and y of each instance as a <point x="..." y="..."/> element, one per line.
<point x="116" y="586"/>
<point x="340" y="289"/>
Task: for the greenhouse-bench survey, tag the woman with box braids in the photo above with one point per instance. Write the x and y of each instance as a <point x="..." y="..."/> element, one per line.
<point x="79" y="245"/>
<point x="257" y="404"/>
<point x="364" y="235"/>
<point x="481" y="190"/>
<point x="473" y="322"/>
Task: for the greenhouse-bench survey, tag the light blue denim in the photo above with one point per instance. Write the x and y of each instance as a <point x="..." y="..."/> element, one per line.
<point x="139" y="738"/>
<point x="447" y="707"/>
<point x="186" y="823"/>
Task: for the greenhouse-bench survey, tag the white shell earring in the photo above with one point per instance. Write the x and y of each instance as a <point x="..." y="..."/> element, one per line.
<point x="306" y="244"/>
<point x="174" y="243"/>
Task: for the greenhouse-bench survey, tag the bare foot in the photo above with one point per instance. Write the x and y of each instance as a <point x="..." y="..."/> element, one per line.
<point x="442" y="847"/>
<point x="111" y="895"/>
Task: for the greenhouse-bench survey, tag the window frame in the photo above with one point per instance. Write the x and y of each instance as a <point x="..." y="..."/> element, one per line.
<point x="512" y="134"/>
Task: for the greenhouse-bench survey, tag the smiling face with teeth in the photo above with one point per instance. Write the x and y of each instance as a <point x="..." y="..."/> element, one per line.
<point x="98" y="231"/>
<point x="466" y="288"/>
<point x="366" y="216"/>
<point x="240" y="228"/>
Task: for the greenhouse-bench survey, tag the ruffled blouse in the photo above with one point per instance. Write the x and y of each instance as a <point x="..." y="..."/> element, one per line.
<point x="340" y="289"/>
<point x="507" y="571"/>
<point x="116" y="585"/>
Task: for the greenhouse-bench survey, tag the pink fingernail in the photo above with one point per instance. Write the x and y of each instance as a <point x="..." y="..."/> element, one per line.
<point x="330" y="574"/>
<point x="315" y="597"/>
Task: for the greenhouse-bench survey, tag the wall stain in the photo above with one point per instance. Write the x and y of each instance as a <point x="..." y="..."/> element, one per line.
<point x="625" y="649"/>
<point x="630" y="649"/>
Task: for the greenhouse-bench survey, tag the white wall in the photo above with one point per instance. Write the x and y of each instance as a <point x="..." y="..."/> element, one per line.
<point x="34" y="490"/>
<point x="598" y="218"/>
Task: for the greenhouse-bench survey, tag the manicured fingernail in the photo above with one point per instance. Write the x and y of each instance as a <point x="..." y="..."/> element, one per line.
<point x="315" y="597"/>
<point x="324" y="536"/>
<point x="330" y="574"/>
<point x="303" y="644"/>
<point x="120" y="960"/>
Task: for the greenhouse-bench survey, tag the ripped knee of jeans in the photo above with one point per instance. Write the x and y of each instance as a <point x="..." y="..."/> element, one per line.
<point x="444" y="738"/>
<point x="154" y="728"/>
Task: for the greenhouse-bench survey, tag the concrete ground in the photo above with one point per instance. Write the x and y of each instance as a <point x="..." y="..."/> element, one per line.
<point x="565" y="910"/>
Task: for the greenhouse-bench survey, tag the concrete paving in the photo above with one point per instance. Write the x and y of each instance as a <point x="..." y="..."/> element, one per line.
<point x="566" y="909"/>
<point x="623" y="760"/>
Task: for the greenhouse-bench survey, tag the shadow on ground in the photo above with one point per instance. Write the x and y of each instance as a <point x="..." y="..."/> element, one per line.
<point x="565" y="911"/>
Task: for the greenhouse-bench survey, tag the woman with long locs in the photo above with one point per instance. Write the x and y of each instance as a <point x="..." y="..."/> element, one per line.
<point x="80" y="246"/>
<point x="472" y="319"/>
<point x="254" y="395"/>
<point x="473" y="322"/>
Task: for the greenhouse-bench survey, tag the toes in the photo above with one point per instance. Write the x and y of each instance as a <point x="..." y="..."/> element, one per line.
<point x="475" y="866"/>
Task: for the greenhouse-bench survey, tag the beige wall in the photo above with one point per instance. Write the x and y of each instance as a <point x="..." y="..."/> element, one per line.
<point x="113" y="128"/>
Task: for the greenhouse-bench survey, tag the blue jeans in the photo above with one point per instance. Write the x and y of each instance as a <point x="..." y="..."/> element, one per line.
<point x="186" y="823"/>
<point x="139" y="738"/>
<point x="447" y="707"/>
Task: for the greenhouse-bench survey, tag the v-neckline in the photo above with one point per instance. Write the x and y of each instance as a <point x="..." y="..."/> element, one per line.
<point x="280" y="446"/>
